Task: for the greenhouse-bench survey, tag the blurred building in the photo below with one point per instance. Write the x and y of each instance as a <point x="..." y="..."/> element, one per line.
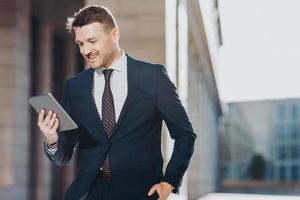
<point x="285" y="143"/>
<point x="37" y="55"/>
<point x="275" y="128"/>
<point x="237" y="145"/>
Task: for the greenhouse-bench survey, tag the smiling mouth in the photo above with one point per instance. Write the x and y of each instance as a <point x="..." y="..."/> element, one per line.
<point x="92" y="59"/>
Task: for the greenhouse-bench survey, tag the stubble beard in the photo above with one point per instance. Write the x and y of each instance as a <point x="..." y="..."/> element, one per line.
<point x="108" y="59"/>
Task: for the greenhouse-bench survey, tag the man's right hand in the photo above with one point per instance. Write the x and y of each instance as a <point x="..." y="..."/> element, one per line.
<point x="48" y="126"/>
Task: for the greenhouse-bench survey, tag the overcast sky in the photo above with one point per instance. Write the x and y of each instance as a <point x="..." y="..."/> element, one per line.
<point x="260" y="58"/>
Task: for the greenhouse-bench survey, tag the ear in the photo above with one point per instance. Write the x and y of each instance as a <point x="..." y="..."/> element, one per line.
<point x="115" y="34"/>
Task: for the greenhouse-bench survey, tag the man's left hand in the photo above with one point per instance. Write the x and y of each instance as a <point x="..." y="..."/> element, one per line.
<point x="163" y="189"/>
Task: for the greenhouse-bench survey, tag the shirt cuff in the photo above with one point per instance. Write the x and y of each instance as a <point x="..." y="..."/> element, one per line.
<point x="52" y="151"/>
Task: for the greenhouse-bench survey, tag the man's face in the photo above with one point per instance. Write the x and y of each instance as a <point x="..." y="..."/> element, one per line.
<point x="97" y="46"/>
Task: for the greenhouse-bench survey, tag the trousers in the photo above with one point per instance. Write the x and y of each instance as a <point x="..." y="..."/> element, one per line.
<point x="103" y="189"/>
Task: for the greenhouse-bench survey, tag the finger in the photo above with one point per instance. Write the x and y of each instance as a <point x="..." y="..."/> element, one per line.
<point x="52" y="120"/>
<point x="55" y="125"/>
<point x="152" y="190"/>
<point x="160" y="194"/>
<point x="47" y="119"/>
<point x="161" y="197"/>
<point x="41" y="116"/>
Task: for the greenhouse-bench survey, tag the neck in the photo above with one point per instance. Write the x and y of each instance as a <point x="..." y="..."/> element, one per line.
<point x="116" y="56"/>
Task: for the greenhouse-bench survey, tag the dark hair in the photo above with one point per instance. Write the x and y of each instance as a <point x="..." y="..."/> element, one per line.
<point x="90" y="14"/>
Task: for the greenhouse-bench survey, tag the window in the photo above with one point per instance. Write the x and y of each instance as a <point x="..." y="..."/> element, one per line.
<point x="282" y="173"/>
<point x="281" y="112"/>
<point x="294" y="152"/>
<point x="226" y="172"/>
<point x="294" y="132"/>
<point x="280" y="132"/>
<point x="281" y="153"/>
<point x="294" y="112"/>
<point x="295" y="172"/>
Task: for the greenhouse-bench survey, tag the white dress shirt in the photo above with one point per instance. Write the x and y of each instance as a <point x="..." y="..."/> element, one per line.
<point x="118" y="84"/>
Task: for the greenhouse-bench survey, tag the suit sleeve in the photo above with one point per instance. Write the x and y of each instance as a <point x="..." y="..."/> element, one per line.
<point x="179" y="127"/>
<point x="67" y="140"/>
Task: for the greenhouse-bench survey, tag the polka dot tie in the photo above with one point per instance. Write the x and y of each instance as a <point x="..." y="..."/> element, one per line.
<point x="108" y="116"/>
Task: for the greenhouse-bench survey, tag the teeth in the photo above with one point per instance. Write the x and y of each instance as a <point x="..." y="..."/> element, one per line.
<point x="92" y="57"/>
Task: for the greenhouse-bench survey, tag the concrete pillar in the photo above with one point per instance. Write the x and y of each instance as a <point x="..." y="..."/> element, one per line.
<point x="43" y="85"/>
<point x="70" y="61"/>
<point x="204" y="109"/>
<point x="69" y="70"/>
<point x="14" y="84"/>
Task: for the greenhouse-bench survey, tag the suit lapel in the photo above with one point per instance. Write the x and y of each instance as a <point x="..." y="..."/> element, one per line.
<point x="132" y="79"/>
<point x="93" y="121"/>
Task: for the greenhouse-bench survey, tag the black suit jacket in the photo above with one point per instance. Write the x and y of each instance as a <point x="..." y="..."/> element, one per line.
<point x="135" y="146"/>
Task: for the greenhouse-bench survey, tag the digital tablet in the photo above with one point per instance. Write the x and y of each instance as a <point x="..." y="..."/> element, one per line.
<point x="48" y="102"/>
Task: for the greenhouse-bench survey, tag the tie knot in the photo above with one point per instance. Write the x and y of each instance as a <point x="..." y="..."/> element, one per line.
<point x="107" y="74"/>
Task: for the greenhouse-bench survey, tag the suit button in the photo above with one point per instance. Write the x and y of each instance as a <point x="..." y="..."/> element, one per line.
<point x="108" y="145"/>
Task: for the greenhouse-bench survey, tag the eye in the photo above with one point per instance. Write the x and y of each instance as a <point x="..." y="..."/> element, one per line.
<point x="93" y="41"/>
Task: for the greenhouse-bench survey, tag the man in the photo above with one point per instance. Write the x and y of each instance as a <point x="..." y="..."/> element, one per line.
<point x="118" y="104"/>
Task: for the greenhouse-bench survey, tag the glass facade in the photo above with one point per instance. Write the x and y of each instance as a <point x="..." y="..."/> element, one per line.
<point x="287" y="146"/>
<point x="281" y="112"/>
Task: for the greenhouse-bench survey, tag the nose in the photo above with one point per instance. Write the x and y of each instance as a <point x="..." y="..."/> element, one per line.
<point x="86" y="50"/>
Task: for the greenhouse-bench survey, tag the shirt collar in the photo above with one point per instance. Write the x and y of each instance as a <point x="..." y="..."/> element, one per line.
<point x="119" y="65"/>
